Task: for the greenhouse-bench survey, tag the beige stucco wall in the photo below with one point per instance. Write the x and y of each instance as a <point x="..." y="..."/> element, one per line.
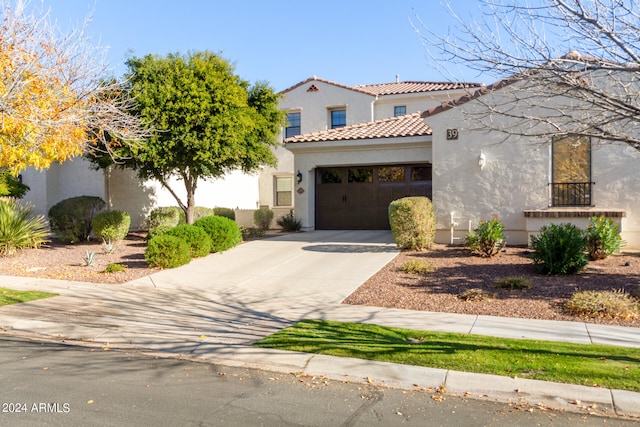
<point x="516" y="177"/>
<point x="309" y="156"/>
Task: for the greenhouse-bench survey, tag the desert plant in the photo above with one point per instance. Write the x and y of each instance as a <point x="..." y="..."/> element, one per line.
<point x="513" y="283"/>
<point x="115" y="267"/>
<point x="19" y="228"/>
<point x="415" y="266"/>
<point x="559" y="249"/>
<point x="602" y="237"/>
<point x="225" y="212"/>
<point x="262" y="218"/>
<point x="109" y="246"/>
<point x="165" y="216"/>
<point x="89" y="258"/>
<point x="612" y="304"/>
<point x="70" y="220"/>
<point x="197" y="239"/>
<point x="111" y="225"/>
<point x="167" y="252"/>
<point x="475" y="294"/>
<point x="224" y="233"/>
<point x="487" y="239"/>
<point x="413" y="222"/>
<point x="252" y="233"/>
<point x="289" y="222"/>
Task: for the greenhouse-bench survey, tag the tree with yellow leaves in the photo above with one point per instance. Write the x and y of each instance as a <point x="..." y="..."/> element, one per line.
<point x="54" y="103"/>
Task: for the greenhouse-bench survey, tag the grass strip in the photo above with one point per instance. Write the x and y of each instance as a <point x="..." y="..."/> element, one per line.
<point x="582" y="364"/>
<point x="11" y="296"/>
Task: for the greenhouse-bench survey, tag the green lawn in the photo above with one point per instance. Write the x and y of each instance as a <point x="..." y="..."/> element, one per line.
<point x="10" y="296"/>
<point x="584" y="364"/>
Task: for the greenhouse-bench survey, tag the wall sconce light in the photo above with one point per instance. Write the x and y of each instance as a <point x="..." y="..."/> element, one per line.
<point x="299" y="175"/>
<point x="482" y="160"/>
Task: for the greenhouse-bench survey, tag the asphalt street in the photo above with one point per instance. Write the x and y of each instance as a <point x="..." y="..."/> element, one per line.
<point x="59" y="384"/>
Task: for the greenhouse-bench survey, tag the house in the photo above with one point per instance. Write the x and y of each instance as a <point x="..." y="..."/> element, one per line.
<point x="471" y="170"/>
<point x="318" y="105"/>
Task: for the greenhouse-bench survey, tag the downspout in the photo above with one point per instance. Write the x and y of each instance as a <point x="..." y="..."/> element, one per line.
<point x="107" y="186"/>
<point x="373" y="108"/>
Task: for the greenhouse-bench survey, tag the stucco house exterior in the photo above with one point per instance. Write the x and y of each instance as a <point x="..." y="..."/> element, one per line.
<point x="475" y="172"/>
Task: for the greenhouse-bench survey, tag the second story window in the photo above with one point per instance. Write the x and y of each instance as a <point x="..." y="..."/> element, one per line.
<point x="399" y="110"/>
<point x="571" y="163"/>
<point x="293" y="125"/>
<point x="338" y="118"/>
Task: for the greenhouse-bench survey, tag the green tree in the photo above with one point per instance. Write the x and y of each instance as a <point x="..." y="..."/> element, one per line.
<point x="207" y="121"/>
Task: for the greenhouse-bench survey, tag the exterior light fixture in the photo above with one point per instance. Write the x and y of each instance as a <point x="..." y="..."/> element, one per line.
<point x="299" y="176"/>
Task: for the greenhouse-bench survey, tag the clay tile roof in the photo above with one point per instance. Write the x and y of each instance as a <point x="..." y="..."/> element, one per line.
<point x="413" y="87"/>
<point x="409" y="125"/>
<point x="319" y="79"/>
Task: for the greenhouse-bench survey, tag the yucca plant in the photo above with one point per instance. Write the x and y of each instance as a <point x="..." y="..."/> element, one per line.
<point x="19" y="228"/>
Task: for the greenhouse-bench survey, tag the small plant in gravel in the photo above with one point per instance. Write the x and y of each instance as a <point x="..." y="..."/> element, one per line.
<point x="513" y="283"/>
<point x="559" y="249"/>
<point x="603" y="238"/>
<point x="289" y="223"/>
<point x="415" y="266"/>
<point x="611" y="304"/>
<point x="475" y="294"/>
<point x="487" y="239"/>
<point x="115" y="267"/>
<point x="167" y="252"/>
<point x="108" y="246"/>
<point x="89" y="258"/>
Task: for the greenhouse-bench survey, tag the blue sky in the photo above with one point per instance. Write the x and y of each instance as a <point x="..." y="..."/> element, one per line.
<point x="280" y="41"/>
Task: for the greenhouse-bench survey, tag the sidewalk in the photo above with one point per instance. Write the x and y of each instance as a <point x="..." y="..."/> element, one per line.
<point x="214" y="309"/>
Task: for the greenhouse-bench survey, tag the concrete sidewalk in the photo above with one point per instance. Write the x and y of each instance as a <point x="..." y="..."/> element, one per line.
<point x="214" y="308"/>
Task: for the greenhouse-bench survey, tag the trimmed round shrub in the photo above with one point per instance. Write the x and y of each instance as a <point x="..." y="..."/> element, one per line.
<point x="224" y="233"/>
<point x="262" y="218"/>
<point x="70" y="220"/>
<point x="158" y="231"/>
<point x="167" y="252"/>
<point x="559" y="249"/>
<point x="111" y="226"/>
<point x="603" y="238"/>
<point x="165" y="216"/>
<point x="225" y="212"/>
<point x="413" y="222"/>
<point x="197" y="239"/>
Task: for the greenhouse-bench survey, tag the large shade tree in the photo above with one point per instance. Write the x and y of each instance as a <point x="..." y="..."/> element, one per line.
<point x="54" y="101"/>
<point x="584" y="52"/>
<point x="207" y="122"/>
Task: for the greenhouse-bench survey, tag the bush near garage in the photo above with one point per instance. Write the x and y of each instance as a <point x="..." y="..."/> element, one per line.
<point x="224" y="233"/>
<point x="198" y="240"/>
<point x="262" y="218"/>
<point x="71" y="219"/>
<point x="413" y="223"/>
<point x="167" y="252"/>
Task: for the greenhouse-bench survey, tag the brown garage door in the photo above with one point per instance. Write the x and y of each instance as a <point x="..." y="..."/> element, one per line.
<point x="358" y="197"/>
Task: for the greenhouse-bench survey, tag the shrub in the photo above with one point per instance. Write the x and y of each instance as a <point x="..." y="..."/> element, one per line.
<point x="559" y="249"/>
<point x="158" y="231"/>
<point x="602" y="238"/>
<point x="12" y="187"/>
<point x="111" y="226"/>
<point x="70" y="220"/>
<point x="252" y="233"/>
<point x="167" y="216"/>
<point x="613" y="304"/>
<point x="289" y="222"/>
<point x="487" y="239"/>
<point x="413" y="222"/>
<point x="262" y="218"/>
<point x="415" y="266"/>
<point x="475" y="294"/>
<point x="197" y="239"/>
<point x="19" y="228"/>
<point x="225" y="212"/>
<point x="89" y="258"/>
<point x="115" y="267"/>
<point x="224" y="233"/>
<point x="513" y="283"/>
<point x="167" y="252"/>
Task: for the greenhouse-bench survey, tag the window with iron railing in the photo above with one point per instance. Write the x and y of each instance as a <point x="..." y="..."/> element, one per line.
<point x="571" y="175"/>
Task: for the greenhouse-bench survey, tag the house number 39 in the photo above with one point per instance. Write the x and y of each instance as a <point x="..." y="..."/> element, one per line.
<point x="452" y="133"/>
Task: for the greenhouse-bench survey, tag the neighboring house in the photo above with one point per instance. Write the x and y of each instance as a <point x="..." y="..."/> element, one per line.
<point x="474" y="172"/>
<point x="317" y="105"/>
